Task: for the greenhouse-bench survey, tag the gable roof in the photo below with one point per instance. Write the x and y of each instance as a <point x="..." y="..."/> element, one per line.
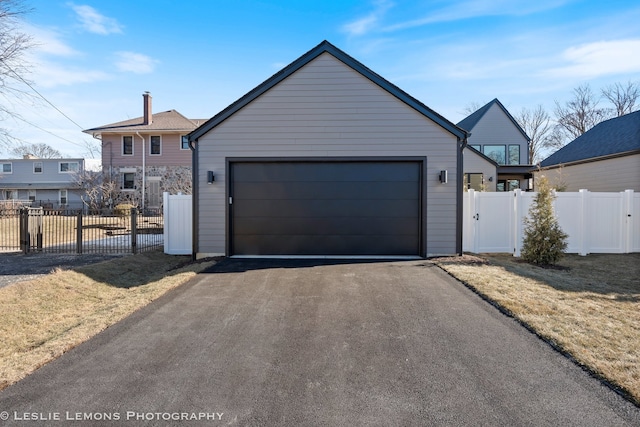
<point x="327" y="47"/>
<point x="166" y="121"/>
<point x="482" y="155"/>
<point x="472" y="120"/>
<point x="614" y="136"/>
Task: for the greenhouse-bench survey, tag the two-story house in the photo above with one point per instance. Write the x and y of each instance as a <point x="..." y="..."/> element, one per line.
<point x="497" y="153"/>
<point x="147" y="155"/>
<point x="40" y="182"/>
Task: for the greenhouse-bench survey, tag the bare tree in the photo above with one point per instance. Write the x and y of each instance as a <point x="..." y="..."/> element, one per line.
<point x="622" y="97"/>
<point x="41" y="151"/>
<point x="13" y="45"/>
<point x="471" y="108"/>
<point x="536" y="123"/>
<point x="579" y="114"/>
<point x="97" y="188"/>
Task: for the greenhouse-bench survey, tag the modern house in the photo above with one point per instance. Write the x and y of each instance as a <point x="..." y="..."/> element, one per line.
<point x="147" y="155"/>
<point x="497" y="155"/>
<point x="40" y="182"/>
<point x="605" y="158"/>
<point x="327" y="158"/>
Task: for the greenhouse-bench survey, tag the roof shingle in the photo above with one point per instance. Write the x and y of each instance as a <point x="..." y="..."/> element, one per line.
<point x="613" y="136"/>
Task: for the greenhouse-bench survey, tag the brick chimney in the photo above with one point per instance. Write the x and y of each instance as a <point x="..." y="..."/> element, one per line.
<point x="148" y="116"/>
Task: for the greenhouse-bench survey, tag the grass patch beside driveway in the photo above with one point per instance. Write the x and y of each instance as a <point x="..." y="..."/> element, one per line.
<point x="43" y="318"/>
<point x="588" y="307"/>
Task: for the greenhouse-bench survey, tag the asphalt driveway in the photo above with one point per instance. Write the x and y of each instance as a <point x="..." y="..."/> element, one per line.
<point x="293" y="343"/>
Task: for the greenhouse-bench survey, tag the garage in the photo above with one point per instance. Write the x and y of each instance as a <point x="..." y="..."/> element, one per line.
<point x="320" y="207"/>
<point x="326" y="158"/>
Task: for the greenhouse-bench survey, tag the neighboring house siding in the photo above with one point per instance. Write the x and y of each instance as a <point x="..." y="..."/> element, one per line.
<point x="326" y="109"/>
<point x="171" y="153"/>
<point x="610" y="175"/>
<point x="496" y="128"/>
<point x="474" y="163"/>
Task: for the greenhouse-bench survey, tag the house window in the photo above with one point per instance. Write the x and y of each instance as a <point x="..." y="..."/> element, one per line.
<point x="6" y="168"/>
<point x="127" y="146"/>
<point x="128" y="181"/>
<point x="514" y="154"/>
<point x="476" y="147"/>
<point x="63" y="197"/>
<point x="11" y="194"/>
<point x="474" y="181"/>
<point x="37" y="167"/>
<point x="497" y="153"/>
<point x="32" y="195"/>
<point x="513" y="184"/>
<point x="155" y="146"/>
<point x="68" y="167"/>
<point x="184" y="142"/>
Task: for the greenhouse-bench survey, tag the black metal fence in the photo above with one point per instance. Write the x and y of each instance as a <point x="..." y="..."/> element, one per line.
<point x="80" y="231"/>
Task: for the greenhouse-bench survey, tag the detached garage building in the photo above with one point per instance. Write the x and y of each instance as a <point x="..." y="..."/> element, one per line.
<point x="327" y="158"/>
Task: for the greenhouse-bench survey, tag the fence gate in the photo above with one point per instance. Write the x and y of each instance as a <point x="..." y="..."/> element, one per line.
<point x="32" y="230"/>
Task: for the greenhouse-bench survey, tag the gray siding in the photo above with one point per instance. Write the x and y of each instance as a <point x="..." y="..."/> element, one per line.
<point x="474" y="163"/>
<point x="495" y="128"/>
<point x="610" y="175"/>
<point x="23" y="175"/>
<point x="326" y="109"/>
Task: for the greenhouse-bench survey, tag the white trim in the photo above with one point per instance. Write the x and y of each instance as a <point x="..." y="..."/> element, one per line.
<point x="66" y="196"/>
<point x="150" y="139"/>
<point x="133" y="145"/>
<point x="2" y="172"/>
<point x="69" y="163"/>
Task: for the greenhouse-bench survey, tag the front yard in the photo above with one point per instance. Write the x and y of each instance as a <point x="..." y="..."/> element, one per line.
<point x="43" y="318"/>
<point x="587" y="307"/>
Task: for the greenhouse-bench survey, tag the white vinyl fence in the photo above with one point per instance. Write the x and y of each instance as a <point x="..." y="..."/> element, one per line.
<point x="177" y="224"/>
<point x="595" y="222"/>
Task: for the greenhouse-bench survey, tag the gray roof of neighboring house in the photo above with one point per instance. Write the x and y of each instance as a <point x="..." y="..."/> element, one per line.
<point x="166" y="121"/>
<point x="323" y="47"/>
<point x="472" y="120"/>
<point x="611" y="137"/>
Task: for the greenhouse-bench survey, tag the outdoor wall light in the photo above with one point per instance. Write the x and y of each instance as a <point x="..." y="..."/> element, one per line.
<point x="210" y="177"/>
<point x="490" y="179"/>
<point x="443" y="177"/>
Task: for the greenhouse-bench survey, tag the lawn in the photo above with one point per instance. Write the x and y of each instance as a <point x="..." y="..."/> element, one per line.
<point x="586" y="307"/>
<point x="43" y="318"/>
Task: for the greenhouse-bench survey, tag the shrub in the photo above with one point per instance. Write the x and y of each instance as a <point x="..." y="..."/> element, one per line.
<point x="123" y="209"/>
<point x="544" y="241"/>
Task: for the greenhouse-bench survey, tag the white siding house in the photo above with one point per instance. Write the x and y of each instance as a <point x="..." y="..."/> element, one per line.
<point x="338" y="130"/>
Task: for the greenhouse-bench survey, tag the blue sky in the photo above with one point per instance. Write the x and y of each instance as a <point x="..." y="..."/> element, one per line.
<point x="94" y="59"/>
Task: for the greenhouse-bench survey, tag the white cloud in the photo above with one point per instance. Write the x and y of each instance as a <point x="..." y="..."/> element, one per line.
<point x="366" y="24"/>
<point x="135" y="62"/>
<point x="94" y="22"/>
<point x="599" y="59"/>
<point x="51" y="75"/>
<point x="48" y="41"/>
<point x="479" y="8"/>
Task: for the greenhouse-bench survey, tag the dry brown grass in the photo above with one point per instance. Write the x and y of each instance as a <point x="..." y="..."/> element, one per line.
<point x="588" y="308"/>
<point x="43" y="318"/>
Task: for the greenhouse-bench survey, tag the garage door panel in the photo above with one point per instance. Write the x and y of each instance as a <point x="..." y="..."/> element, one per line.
<point x="323" y="245"/>
<point x="325" y="171"/>
<point x="326" y="208"/>
<point x="325" y="226"/>
<point x="326" y="190"/>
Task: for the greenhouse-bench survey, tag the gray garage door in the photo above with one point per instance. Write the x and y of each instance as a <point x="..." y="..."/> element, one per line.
<point x="325" y="208"/>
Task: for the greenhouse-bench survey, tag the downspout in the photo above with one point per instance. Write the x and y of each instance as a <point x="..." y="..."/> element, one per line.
<point x="144" y="169"/>
<point x="194" y="198"/>
<point x="459" y="192"/>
